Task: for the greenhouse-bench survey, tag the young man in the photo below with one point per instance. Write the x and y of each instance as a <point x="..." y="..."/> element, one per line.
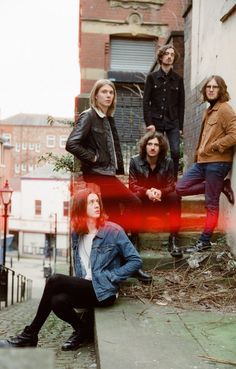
<point x="163" y="101"/>
<point x="95" y="142"/>
<point x="214" y="156"/>
<point x="103" y="257"/>
<point x="151" y="178"/>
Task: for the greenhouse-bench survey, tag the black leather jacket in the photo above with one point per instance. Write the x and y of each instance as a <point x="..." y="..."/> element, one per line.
<point x="139" y="182"/>
<point x="89" y="138"/>
<point x="162" y="93"/>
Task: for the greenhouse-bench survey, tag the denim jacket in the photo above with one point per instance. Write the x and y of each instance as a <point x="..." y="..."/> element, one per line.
<point x="113" y="259"/>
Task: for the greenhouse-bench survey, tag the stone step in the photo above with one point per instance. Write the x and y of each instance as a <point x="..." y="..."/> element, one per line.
<point x="193" y="204"/>
<point x="158" y="240"/>
<point x="189" y="222"/>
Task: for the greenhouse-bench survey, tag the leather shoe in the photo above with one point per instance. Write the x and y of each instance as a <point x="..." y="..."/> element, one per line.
<point x="73" y="342"/>
<point x="228" y="192"/>
<point x="199" y="247"/>
<point x="24" y="339"/>
<point x="142" y="276"/>
<point x="173" y="248"/>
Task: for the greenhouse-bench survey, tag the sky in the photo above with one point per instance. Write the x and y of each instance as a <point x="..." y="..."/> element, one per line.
<point x="39" y="58"/>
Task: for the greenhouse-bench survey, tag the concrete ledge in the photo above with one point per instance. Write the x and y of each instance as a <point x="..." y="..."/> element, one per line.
<point x="133" y="335"/>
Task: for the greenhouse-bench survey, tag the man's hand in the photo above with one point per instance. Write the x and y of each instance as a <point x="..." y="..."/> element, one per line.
<point x="154" y="194"/>
<point x="150" y="128"/>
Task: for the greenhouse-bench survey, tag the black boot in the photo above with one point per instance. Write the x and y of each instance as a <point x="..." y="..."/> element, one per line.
<point x="173" y="247"/>
<point x="74" y="341"/>
<point x="227" y="191"/>
<point x="84" y="333"/>
<point x="142" y="276"/>
<point x="25" y="339"/>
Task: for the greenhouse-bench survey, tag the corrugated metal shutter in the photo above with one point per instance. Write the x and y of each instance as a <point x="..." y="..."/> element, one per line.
<point x="132" y="55"/>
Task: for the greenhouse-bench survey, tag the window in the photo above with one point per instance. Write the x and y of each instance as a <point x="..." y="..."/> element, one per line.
<point x="65" y="208"/>
<point x="31" y="146"/>
<point x="62" y="142"/>
<point x="7" y="138"/>
<point x="38" y="207"/>
<point x="17" y="147"/>
<point x="24" y="146"/>
<point x="17" y="168"/>
<point x="30" y="167"/>
<point x="37" y="147"/>
<point x="23" y="167"/>
<point x="51" y="141"/>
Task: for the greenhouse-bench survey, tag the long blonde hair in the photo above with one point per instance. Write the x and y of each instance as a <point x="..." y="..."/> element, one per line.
<point x="100" y="83"/>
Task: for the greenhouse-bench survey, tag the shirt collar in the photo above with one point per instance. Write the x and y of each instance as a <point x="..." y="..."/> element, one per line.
<point x="99" y="112"/>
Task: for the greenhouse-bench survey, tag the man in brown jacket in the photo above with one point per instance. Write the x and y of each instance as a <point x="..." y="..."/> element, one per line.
<point x="214" y="156"/>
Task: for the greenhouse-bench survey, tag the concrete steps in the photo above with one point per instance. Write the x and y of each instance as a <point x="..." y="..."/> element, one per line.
<point x="153" y="242"/>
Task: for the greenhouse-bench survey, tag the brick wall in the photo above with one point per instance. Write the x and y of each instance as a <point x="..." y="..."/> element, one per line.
<point x="193" y="105"/>
<point x="100" y="20"/>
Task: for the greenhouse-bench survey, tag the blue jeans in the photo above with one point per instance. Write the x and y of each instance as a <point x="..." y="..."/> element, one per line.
<point x="208" y="179"/>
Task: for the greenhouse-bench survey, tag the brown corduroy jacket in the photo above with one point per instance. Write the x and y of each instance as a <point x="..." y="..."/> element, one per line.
<point x="218" y="134"/>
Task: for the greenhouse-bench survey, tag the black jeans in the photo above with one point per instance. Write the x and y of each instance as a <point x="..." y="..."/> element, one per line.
<point x="173" y="136"/>
<point x="61" y="295"/>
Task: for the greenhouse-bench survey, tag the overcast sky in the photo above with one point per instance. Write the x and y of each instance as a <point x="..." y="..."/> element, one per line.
<point x="39" y="68"/>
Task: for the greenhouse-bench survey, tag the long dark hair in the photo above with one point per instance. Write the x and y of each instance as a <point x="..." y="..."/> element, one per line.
<point x="163" y="145"/>
<point x="79" y="211"/>
<point x="223" y="93"/>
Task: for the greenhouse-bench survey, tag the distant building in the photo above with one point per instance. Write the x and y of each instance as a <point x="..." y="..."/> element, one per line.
<point x="40" y="212"/>
<point x="31" y="136"/>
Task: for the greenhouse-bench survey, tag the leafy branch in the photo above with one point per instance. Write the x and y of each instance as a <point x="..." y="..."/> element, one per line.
<point x="63" y="162"/>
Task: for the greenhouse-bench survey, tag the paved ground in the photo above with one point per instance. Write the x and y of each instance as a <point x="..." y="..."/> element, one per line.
<point x="54" y="332"/>
<point x="51" y="337"/>
<point x="132" y="334"/>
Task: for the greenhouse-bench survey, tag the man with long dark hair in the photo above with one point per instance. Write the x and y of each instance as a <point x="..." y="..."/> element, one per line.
<point x="214" y="157"/>
<point x="163" y="101"/>
<point x="151" y="178"/>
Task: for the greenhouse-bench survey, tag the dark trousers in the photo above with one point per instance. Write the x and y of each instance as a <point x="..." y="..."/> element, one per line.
<point x="173" y="136"/>
<point x="62" y="294"/>
<point x="120" y="204"/>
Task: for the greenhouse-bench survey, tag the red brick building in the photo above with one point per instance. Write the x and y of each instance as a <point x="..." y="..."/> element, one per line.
<point x="30" y="136"/>
<point x="119" y="40"/>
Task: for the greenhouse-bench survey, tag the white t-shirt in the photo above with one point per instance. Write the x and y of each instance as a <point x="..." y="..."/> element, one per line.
<point x="84" y="253"/>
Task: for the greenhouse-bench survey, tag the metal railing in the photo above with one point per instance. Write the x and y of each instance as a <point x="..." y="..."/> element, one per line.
<point x="14" y="287"/>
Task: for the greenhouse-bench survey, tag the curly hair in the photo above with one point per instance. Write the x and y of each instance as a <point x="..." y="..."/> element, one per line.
<point x="79" y="211"/>
<point x="99" y="84"/>
<point x="223" y="94"/>
<point x="163" y="145"/>
<point x="162" y="51"/>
